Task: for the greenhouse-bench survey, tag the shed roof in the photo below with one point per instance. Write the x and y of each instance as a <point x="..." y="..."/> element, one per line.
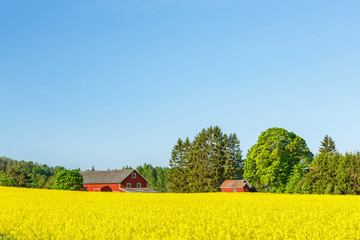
<point x="235" y="184"/>
<point x="111" y="176"/>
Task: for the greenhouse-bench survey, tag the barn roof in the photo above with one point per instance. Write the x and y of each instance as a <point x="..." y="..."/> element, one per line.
<point x="111" y="176"/>
<point x="235" y="184"/>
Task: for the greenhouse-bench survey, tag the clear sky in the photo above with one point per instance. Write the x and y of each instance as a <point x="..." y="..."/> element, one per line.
<point x="112" y="83"/>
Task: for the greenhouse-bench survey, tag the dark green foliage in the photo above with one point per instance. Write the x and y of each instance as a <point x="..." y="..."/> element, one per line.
<point x="26" y="174"/>
<point x="335" y="174"/>
<point x="275" y="160"/>
<point x="69" y="180"/>
<point x="180" y="166"/>
<point x="156" y="176"/>
<point x="203" y="164"/>
<point x="327" y="145"/>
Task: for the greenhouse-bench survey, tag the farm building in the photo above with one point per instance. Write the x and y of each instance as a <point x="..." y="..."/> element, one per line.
<point x="128" y="180"/>
<point x="235" y="186"/>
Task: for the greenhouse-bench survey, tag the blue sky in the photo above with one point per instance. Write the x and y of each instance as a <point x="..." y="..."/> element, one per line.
<point x="113" y="83"/>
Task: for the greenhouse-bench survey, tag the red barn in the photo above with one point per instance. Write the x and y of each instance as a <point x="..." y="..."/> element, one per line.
<point x="235" y="186"/>
<point x="128" y="180"/>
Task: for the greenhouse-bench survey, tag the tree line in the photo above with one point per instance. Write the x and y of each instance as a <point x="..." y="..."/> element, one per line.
<point x="279" y="162"/>
<point x="27" y="174"/>
<point x="15" y="173"/>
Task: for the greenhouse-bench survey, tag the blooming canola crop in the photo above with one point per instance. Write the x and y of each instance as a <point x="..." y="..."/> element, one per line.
<point x="51" y="214"/>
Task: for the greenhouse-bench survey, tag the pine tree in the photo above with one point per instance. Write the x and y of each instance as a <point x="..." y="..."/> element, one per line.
<point x="327" y="146"/>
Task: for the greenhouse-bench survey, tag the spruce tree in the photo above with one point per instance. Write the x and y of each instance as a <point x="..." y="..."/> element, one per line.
<point x="203" y="164"/>
<point x="155" y="175"/>
<point x="176" y="162"/>
<point x="327" y="145"/>
<point x="335" y="174"/>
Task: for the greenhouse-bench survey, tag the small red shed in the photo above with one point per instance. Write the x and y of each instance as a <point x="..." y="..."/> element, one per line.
<point x="235" y="186"/>
<point x="128" y="180"/>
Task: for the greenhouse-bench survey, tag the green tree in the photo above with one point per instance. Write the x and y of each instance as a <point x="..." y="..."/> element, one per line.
<point x="155" y="175"/>
<point x="271" y="161"/>
<point x="332" y="172"/>
<point x="327" y="145"/>
<point x="27" y="174"/>
<point x="69" y="180"/>
<point x="203" y="164"/>
<point x="297" y="175"/>
<point x="6" y="180"/>
<point x="161" y="175"/>
<point x="179" y="166"/>
<point x="335" y="174"/>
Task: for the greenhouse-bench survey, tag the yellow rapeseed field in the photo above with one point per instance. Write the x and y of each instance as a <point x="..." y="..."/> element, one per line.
<point x="51" y="214"/>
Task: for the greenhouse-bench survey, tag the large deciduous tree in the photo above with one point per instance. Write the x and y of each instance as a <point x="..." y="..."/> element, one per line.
<point x="277" y="155"/>
<point x="204" y="163"/>
<point x="69" y="180"/>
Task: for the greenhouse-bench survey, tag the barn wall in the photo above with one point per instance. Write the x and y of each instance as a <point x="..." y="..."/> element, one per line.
<point x="227" y="190"/>
<point x="134" y="181"/>
<point x="107" y="186"/>
<point x="245" y="189"/>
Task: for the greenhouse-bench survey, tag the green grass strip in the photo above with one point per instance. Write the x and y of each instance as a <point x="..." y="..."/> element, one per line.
<point x="5" y="236"/>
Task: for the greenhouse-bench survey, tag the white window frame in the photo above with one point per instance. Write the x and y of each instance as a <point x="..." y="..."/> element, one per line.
<point x="128" y="185"/>
<point x="138" y="185"/>
<point x="133" y="175"/>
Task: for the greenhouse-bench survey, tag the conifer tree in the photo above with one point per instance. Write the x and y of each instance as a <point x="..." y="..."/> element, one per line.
<point x="335" y="174"/>
<point x="327" y="145"/>
<point x="176" y="165"/>
<point x="203" y="164"/>
<point x="155" y="175"/>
